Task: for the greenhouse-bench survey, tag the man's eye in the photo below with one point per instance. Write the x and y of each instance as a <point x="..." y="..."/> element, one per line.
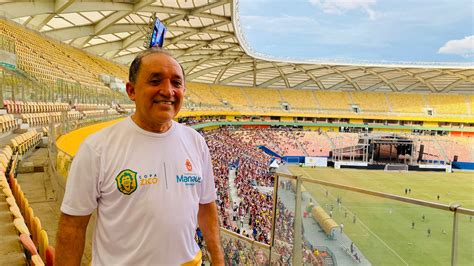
<point x="178" y="84"/>
<point x="155" y="81"/>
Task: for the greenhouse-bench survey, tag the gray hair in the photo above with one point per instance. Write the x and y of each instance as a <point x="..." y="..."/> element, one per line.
<point x="135" y="66"/>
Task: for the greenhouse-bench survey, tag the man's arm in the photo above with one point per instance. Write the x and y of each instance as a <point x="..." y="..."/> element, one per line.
<point x="208" y="222"/>
<point x="70" y="239"/>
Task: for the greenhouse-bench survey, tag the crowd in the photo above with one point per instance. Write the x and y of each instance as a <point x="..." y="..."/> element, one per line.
<point x="251" y="165"/>
<point x="252" y="216"/>
<point x="284" y="141"/>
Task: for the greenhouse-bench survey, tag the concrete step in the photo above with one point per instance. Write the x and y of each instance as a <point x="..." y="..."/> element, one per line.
<point x="9" y="245"/>
<point x="13" y="259"/>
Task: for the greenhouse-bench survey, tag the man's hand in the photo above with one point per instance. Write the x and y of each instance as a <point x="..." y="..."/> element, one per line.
<point x="70" y="239"/>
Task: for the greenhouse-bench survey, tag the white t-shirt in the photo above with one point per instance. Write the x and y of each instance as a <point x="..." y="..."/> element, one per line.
<point x="146" y="187"/>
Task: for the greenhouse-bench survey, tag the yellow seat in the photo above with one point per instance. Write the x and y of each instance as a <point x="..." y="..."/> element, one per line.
<point x="30" y="214"/>
<point x="35" y="229"/>
<point x="20" y="226"/>
<point x="43" y="243"/>
<point x="11" y="201"/>
<point x="23" y="204"/>
<point x="36" y="260"/>
<point x="8" y="192"/>
<point x="3" y="125"/>
<point x="3" y="182"/>
<point x="14" y="144"/>
<point x="16" y="211"/>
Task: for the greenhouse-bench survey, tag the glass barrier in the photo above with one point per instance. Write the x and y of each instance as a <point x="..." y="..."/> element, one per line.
<point x="284" y="233"/>
<point x="364" y="229"/>
<point x="465" y="244"/>
<point x="63" y="163"/>
<point x="240" y="250"/>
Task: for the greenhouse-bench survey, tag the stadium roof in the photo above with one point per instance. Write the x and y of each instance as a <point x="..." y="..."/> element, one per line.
<point x="205" y="37"/>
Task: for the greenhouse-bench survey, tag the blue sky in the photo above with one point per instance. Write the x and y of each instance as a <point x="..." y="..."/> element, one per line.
<point x="381" y="30"/>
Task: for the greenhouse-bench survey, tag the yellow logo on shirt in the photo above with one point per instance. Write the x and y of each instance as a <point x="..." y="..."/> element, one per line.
<point x="126" y="181"/>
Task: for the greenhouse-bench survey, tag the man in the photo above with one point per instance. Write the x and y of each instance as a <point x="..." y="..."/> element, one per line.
<point x="149" y="178"/>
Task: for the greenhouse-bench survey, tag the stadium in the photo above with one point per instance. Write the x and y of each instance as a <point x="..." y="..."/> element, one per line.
<point x="315" y="162"/>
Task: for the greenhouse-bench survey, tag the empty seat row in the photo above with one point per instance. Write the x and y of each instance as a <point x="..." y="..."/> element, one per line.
<point x="93" y="113"/>
<point x="74" y="115"/>
<point x="5" y="156"/>
<point x="7" y="123"/>
<point x="90" y="106"/>
<point x="128" y="106"/>
<point x="38" y="235"/>
<point x="45" y="118"/>
<point x="22" y="143"/>
<point x="112" y="112"/>
<point x="16" y="201"/>
<point x="19" y="107"/>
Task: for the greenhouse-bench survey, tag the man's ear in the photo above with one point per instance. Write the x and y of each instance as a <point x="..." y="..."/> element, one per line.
<point x="130" y="91"/>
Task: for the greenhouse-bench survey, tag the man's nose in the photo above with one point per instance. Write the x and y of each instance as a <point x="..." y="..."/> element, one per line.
<point x="166" y="89"/>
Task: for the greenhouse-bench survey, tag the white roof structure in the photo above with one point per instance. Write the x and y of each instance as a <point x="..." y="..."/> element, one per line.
<point x="206" y="38"/>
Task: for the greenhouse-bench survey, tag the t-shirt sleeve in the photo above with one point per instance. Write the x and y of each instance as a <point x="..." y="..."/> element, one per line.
<point x="208" y="188"/>
<point x="82" y="187"/>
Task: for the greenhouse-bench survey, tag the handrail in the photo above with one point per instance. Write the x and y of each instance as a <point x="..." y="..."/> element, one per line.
<point x="440" y="206"/>
<point x="246" y="239"/>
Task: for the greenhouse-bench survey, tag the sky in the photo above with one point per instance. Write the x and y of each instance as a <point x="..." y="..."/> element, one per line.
<point x="361" y="30"/>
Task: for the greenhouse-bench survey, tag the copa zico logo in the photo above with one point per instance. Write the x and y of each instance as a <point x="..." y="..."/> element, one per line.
<point x="126" y="181"/>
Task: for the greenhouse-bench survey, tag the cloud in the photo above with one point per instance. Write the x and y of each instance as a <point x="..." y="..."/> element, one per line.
<point x="309" y="31"/>
<point x="341" y="6"/>
<point x="463" y="47"/>
<point x="277" y="24"/>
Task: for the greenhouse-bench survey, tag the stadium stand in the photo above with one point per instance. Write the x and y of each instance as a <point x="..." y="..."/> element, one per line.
<point x="334" y="101"/>
<point x="7" y="123"/>
<point x="448" y="104"/>
<point x="203" y="93"/>
<point x="34" y="242"/>
<point x="48" y="61"/>
<point x="299" y="99"/>
<point x="407" y="102"/>
<point x="19" y="107"/>
<point x="89" y="106"/>
<point x="370" y="102"/>
<point x="24" y="142"/>
<point x="264" y="98"/>
<point x="235" y="96"/>
<point x="316" y="143"/>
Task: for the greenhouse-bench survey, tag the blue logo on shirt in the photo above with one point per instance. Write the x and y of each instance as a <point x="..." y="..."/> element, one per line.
<point x="188" y="180"/>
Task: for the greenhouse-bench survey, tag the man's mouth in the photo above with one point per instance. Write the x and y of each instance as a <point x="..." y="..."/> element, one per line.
<point x="163" y="102"/>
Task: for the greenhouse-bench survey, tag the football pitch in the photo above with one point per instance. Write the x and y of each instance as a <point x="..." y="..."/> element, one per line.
<point x="389" y="232"/>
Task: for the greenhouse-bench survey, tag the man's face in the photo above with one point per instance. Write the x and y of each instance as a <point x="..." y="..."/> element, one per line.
<point x="158" y="90"/>
<point x="126" y="182"/>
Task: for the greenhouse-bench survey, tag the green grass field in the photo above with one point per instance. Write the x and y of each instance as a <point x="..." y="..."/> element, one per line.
<point x="383" y="228"/>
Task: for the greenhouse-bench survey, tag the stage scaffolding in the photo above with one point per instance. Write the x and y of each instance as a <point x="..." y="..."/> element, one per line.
<point x="376" y="149"/>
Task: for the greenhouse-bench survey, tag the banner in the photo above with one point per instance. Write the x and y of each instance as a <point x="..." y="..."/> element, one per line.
<point x="316" y="161"/>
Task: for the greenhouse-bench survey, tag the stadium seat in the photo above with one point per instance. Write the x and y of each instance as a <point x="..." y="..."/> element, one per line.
<point x="20" y="225"/>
